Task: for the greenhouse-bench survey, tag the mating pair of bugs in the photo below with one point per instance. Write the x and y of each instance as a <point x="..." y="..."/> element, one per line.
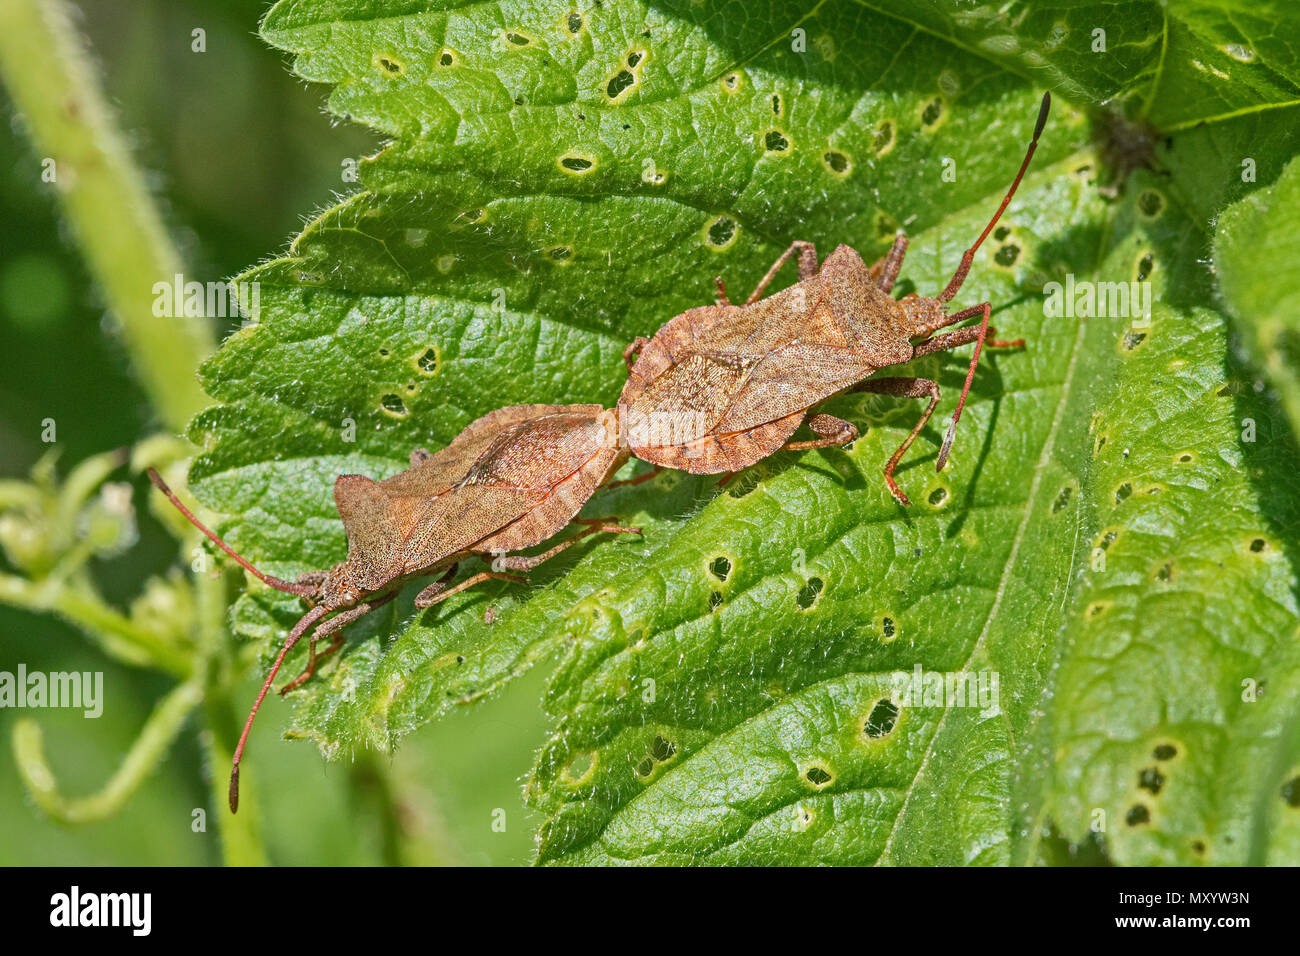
<point x="735" y="381"/>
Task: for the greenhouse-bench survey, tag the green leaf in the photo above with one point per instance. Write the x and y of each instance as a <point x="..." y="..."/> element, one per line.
<point x="1107" y="540"/>
<point x="1257" y="257"/>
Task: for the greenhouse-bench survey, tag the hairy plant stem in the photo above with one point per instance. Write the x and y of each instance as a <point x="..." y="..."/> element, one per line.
<point x="102" y="193"/>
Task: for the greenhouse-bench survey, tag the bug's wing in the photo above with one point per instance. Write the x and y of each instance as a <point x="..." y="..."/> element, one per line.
<point x="515" y="479"/>
<point x="789" y="379"/>
<point x="564" y="459"/>
<point x="442" y="470"/>
<point x="417" y="515"/>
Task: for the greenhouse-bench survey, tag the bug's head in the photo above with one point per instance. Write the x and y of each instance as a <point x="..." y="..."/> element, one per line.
<point x="338" y="588"/>
<point x="922" y="313"/>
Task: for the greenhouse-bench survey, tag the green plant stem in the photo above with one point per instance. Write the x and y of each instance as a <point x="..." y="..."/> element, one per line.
<point x="404" y="840"/>
<point x="118" y="636"/>
<point x="48" y="75"/>
<point x="155" y="737"/>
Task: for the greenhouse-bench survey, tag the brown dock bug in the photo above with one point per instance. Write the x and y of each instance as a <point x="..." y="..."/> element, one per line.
<point x="509" y="481"/>
<point x="721" y="386"/>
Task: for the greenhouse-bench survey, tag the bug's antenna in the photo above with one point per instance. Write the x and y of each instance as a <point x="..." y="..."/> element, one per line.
<point x="304" y="622"/>
<point x="292" y="587"/>
<point x="969" y="256"/>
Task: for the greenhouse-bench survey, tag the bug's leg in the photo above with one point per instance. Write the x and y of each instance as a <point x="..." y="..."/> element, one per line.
<point x="885" y="271"/>
<point x="438" y="590"/>
<point x="807" y="267"/>
<point x="925" y="331"/>
<point x="431" y="590"/>
<point x="435" y="593"/>
<point x="633" y="349"/>
<point x="313" y="579"/>
<point x="639" y="479"/>
<point x="834" y="431"/>
<point x="420" y="454"/>
<point x="333" y="624"/>
<point x="903" y="388"/>
<point x="721" y="298"/>
<point x="521" y="562"/>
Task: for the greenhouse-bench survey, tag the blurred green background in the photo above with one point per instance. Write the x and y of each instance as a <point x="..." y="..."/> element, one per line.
<point x="238" y="153"/>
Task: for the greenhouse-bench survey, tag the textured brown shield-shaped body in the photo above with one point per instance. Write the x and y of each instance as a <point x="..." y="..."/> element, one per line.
<point x="722" y="386"/>
<point x="510" y="480"/>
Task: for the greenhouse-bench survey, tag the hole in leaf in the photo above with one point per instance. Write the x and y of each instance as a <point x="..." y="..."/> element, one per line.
<point x="1122" y="492"/>
<point x="887" y="627"/>
<point x="715" y="601"/>
<point x="518" y="39"/>
<point x="938" y="496"/>
<point x="619" y="84"/>
<point x="447" y="58"/>
<point x="1257" y="545"/>
<point x="394" y="405"/>
<point x="1137" y="815"/>
<point x="819" y="776"/>
<point x="1151" y="779"/>
<point x="882" y="718"/>
<point x="883" y="140"/>
<point x="808" y="593"/>
<point x="1001" y="232"/>
<point x="838" y="162"/>
<point x="1133" y="339"/>
<point x="577" y="164"/>
<point x="1145" y="265"/>
<point x="560" y="253"/>
<point x="1062" y="499"/>
<point x="775" y="141"/>
<point x="731" y="82"/>
<point x="932" y="112"/>
<point x="635" y="57"/>
<point x="1291" y="792"/>
<point x="1007" y="255"/>
<point x="1151" y="203"/>
<point x="662" y="749"/>
<point x="428" y="361"/>
<point x="1165" y="573"/>
<point x="1165" y="752"/>
<point x="575" y="22"/>
<point x="776" y="104"/>
<point x="722" y="232"/>
<point x="390" y="65"/>
<point x="720" y="568"/>
<point x="580" y="766"/>
<point x="645" y="767"/>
